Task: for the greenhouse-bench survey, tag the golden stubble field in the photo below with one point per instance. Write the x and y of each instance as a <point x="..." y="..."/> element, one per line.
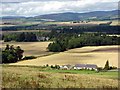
<point x="31" y="48"/>
<point x="86" y="55"/>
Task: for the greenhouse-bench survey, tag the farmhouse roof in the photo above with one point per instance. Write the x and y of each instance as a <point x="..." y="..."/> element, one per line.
<point x="80" y="65"/>
<point x="91" y="66"/>
<point x="87" y="65"/>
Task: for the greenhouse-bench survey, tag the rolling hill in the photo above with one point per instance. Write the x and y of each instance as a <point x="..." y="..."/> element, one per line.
<point x="70" y="16"/>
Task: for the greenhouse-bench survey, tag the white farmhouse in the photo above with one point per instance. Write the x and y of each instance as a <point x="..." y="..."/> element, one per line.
<point x="66" y="67"/>
<point x="79" y="66"/>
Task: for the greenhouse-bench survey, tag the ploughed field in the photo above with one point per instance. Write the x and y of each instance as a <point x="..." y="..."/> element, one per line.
<point x="86" y="55"/>
<point x="44" y="77"/>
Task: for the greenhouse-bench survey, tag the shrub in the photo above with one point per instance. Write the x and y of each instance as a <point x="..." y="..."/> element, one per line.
<point x="57" y="67"/>
<point x="47" y="65"/>
<point x="29" y="57"/>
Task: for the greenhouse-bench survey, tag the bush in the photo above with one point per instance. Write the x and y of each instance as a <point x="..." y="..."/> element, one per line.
<point x="47" y="65"/>
<point x="57" y="67"/>
<point x="29" y="57"/>
<point x="113" y="67"/>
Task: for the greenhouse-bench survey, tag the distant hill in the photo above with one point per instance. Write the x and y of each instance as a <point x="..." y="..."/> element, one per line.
<point x="96" y="15"/>
<point x="13" y="17"/>
<point x="70" y="16"/>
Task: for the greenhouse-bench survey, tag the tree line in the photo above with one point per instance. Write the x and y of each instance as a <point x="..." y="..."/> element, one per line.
<point x="85" y="39"/>
<point x="20" y="37"/>
<point x="69" y="29"/>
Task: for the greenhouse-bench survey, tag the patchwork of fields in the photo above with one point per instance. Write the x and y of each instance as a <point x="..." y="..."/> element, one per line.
<point x="87" y="55"/>
<point x="114" y="23"/>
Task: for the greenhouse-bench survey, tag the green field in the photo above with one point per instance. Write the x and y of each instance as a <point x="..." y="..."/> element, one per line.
<point x="44" y="77"/>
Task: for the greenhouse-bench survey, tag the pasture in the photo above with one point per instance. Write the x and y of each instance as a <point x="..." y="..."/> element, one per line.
<point x="114" y="23"/>
<point x="40" y="77"/>
<point x="86" y="55"/>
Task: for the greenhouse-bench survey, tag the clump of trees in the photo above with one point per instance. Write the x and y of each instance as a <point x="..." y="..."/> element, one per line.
<point x="20" y="37"/>
<point x="11" y="54"/>
<point x="85" y="39"/>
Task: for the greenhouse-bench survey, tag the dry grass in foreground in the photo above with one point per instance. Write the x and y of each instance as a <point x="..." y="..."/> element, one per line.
<point x="31" y="77"/>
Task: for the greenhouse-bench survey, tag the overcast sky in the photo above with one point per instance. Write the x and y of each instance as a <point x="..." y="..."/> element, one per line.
<point x="40" y="7"/>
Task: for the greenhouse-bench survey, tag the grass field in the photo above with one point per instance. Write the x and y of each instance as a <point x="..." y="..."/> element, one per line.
<point x="114" y="23"/>
<point x="87" y="55"/>
<point x="39" y="77"/>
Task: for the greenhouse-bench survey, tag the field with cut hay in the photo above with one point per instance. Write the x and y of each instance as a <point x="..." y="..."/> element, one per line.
<point x="86" y="55"/>
<point x="31" y="48"/>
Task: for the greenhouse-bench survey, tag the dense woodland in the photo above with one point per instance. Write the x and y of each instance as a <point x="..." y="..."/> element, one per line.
<point x="71" y="29"/>
<point x="20" y="37"/>
<point x="64" y="43"/>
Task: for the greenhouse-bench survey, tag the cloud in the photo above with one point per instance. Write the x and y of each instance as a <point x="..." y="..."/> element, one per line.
<point x="39" y="7"/>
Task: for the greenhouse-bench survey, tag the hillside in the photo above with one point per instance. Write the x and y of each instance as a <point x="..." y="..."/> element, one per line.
<point x="68" y="16"/>
<point x="88" y="55"/>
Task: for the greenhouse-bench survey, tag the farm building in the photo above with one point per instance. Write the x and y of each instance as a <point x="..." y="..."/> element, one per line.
<point x="91" y="66"/>
<point x="87" y="66"/>
<point x="79" y="66"/>
<point x="42" y="38"/>
<point x="66" y="67"/>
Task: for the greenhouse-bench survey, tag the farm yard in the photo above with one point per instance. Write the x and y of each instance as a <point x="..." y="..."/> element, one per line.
<point x="44" y="77"/>
<point x="87" y="55"/>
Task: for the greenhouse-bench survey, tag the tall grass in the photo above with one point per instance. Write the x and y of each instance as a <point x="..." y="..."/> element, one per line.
<point x="27" y="77"/>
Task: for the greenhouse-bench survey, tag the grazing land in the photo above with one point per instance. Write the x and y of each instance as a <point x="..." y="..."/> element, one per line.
<point x="69" y="23"/>
<point x="87" y="55"/>
<point x="43" y="77"/>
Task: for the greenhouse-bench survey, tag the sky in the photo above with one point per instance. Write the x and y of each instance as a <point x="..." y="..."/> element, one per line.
<point x="39" y="7"/>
